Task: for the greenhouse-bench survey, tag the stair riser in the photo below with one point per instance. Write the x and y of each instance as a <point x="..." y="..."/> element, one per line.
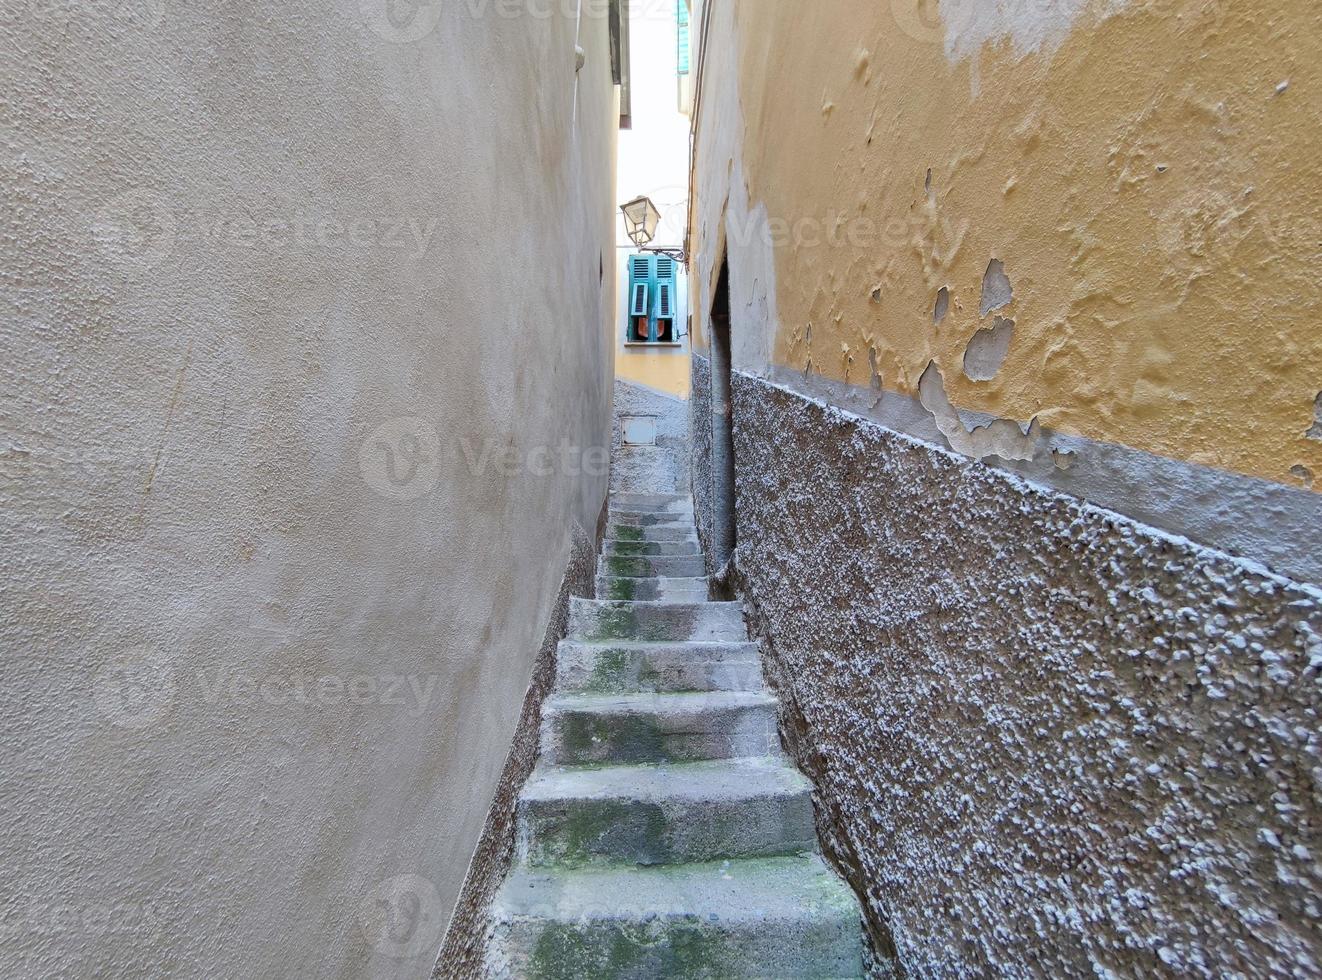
<point x="687" y="590"/>
<point x="651" y="520"/>
<point x="577" y="832"/>
<point x="653" y="549"/>
<point x="622" y="567"/>
<point x="630" y="501"/>
<point x="572" y="737"/>
<point x="670" y="510"/>
<point x="677" y="946"/>
<point x="664" y="671"/>
<point x="656" y="622"/>
<point x="655" y="532"/>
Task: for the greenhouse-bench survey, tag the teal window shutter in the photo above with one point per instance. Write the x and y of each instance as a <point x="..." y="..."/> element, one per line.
<point x="665" y="299"/>
<point x="682" y="17"/>
<point x="639" y="307"/>
<point x="640" y="281"/>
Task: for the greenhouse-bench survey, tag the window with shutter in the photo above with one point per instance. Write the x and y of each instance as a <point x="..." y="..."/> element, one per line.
<point x="665" y="313"/>
<point x="639" y="306"/>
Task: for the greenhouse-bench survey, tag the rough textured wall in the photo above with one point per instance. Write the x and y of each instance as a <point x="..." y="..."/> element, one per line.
<point x="299" y="375"/>
<point x="700" y="439"/>
<point x="1046" y="740"/>
<point x="1073" y="241"/>
<point x="1081" y="237"/>
<point x="659" y="468"/>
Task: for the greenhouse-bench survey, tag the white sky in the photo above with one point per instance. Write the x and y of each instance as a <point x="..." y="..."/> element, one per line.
<point x="654" y="155"/>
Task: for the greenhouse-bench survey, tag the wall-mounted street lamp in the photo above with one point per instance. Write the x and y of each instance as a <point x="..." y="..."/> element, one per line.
<point x="640" y="220"/>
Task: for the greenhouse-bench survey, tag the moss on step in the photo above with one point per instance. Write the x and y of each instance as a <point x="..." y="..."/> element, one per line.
<point x="627" y="739"/>
<point x="613" y="673"/>
<point x="600" y="828"/>
<point x="642" y="549"/>
<point x="570" y="952"/>
<point x="621" y="623"/>
<point x="610" y="672"/>
<point x="622" y="589"/>
<point x="629" y="534"/>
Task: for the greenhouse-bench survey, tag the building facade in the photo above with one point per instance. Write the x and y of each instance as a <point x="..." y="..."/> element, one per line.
<point x="1005" y="402"/>
<point x="305" y="444"/>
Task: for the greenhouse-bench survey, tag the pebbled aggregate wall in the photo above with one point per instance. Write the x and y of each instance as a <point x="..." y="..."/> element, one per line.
<point x="701" y="441"/>
<point x="662" y="468"/>
<point x="1047" y="741"/>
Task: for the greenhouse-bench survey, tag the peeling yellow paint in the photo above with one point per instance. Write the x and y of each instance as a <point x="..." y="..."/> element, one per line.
<point x="1149" y="179"/>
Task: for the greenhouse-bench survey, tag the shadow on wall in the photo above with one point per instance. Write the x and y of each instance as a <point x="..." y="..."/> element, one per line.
<point x="723" y="533"/>
<point x="650" y="443"/>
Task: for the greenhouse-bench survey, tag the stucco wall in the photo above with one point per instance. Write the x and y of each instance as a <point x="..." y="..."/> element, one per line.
<point x="467" y="939"/>
<point x="1076" y="238"/>
<point x="300" y="385"/>
<point x="1024" y="304"/>
<point x="1046" y="740"/>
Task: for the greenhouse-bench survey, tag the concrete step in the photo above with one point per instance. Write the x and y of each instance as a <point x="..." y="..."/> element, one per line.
<point x="657" y="668"/>
<point x="680" y="507"/>
<point x="653" y="589"/>
<point x="650" y="520"/>
<point x="646" y="518"/>
<point x="579" y="729"/>
<point x="656" y="622"/>
<point x="656" y="532"/>
<point x="647" y="815"/>
<point x="648" y="501"/>
<point x="652" y="549"/>
<point x="674" y="567"/>
<point x="785" y="918"/>
<point x="651" y="499"/>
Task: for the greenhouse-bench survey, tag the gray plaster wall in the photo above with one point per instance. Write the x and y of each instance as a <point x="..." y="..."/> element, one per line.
<point x="1046" y="740"/>
<point x="468" y="937"/>
<point x="306" y="343"/>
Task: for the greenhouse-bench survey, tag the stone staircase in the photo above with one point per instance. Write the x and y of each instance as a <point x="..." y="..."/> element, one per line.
<point x="664" y="834"/>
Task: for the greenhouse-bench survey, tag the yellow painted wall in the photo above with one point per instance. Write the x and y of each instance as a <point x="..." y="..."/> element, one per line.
<point x="667" y="371"/>
<point x="664" y="369"/>
<point x="1149" y="177"/>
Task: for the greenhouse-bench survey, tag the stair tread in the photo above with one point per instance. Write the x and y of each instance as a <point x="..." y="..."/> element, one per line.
<point x="644" y="604"/>
<point x="678" y="580"/>
<point x="631" y="566"/>
<point x="649" y="703"/>
<point x="721" y="779"/>
<point x="642" y="495"/>
<point x="651" y="517"/>
<point x="757" y="891"/>
<point x="652" y="646"/>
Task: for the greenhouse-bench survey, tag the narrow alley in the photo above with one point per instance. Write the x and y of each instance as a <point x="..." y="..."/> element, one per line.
<point x="665" y="833"/>
<point x="697" y="489"/>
